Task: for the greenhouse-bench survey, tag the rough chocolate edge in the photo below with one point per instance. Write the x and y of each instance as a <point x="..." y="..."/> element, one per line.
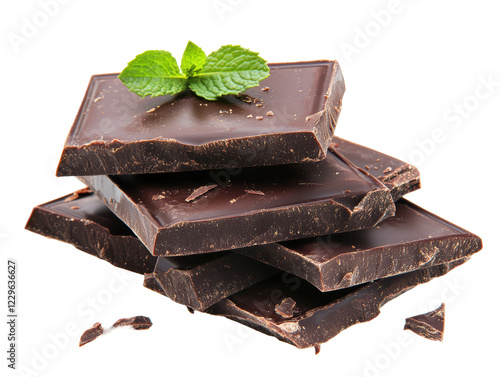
<point x="360" y="306"/>
<point x="326" y="120"/>
<point x="207" y="284"/>
<point x="344" y="271"/>
<point x="151" y="283"/>
<point x="100" y="158"/>
<point x="309" y="220"/>
<point x="98" y="241"/>
<point x="429" y="325"/>
<point x="135" y="216"/>
<point x="403" y="179"/>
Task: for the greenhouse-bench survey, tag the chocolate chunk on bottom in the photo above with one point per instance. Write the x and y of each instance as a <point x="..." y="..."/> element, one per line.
<point x="428" y="325"/>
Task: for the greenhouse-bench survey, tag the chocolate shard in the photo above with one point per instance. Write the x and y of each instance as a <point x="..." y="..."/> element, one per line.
<point x="199" y="281"/>
<point x="412" y="239"/>
<point x="93" y="228"/>
<point x="285" y="308"/>
<point x="199" y="192"/>
<point x="402" y="177"/>
<point x="429" y="325"/>
<point x="138" y="322"/>
<point x="118" y="132"/>
<point x="91" y="334"/>
<point x="319" y="316"/>
<point x="287" y="210"/>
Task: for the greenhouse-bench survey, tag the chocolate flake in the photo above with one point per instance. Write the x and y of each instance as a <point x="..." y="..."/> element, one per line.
<point x="285" y="308"/>
<point x="91" y="334"/>
<point x="259" y="117"/>
<point x="429" y="325"/>
<point x="77" y="193"/>
<point x="388" y="170"/>
<point x="265" y="88"/>
<point x="190" y="310"/>
<point x="255" y="192"/>
<point x="317" y="348"/>
<point x="270" y="113"/>
<point x="138" y="322"/>
<point x="199" y="192"/>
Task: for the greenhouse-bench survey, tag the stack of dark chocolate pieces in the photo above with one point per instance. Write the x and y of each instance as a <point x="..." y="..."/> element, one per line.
<point x="249" y="207"/>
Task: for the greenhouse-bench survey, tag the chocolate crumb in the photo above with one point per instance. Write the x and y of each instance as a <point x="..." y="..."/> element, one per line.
<point x="247" y="98"/>
<point x="77" y="194"/>
<point x="258" y="104"/>
<point x="91" y="334"/>
<point x="375" y="168"/>
<point x="138" y="323"/>
<point x="285" y="308"/>
<point x="232" y="201"/>
<point x="388" y="170"/>
<point x="347" y="191"/>
<point x="255" y="192"/>
<point x="259" y="117"/>
<point x="378" y="159"/>
<point x="190" y="310"/>
<point x="75" y="207"/>
<point x="265" y="88"/>
<point x="250" y="116"/>
<point x="199" y="192"/>
<point x="367" y="167"/>
<point x="317" y="348"/>
<point x="158" y="197"/>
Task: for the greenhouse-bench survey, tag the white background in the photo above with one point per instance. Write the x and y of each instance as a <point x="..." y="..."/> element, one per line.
<point x="415" y="70"/>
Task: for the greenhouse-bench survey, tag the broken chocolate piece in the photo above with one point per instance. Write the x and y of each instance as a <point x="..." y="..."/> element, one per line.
<point x="317" y="348"/>
<point x="91" y="334"/>
<point x="285" y="308"/>
<point x="199" y="281"/>
<point x="319" y="316"/>
<point x="123" y="133"/>
<point x="429" y="325"/>
<point x="92" y="228"/>
<point x="287" y="210"/>
<point x="138" y="322"/>
<point x="199" y="192"/>
<point x="412" y="239"/>
<point x="404" y="177"/>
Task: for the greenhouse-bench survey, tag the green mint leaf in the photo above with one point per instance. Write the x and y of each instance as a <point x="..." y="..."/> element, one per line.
<point x="229" y="70"/>
<point x="193" y="59"/>
<point x="154" y="73"/>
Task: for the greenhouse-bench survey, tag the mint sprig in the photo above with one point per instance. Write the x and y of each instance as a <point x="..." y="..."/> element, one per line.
<point x="229" y="70"/>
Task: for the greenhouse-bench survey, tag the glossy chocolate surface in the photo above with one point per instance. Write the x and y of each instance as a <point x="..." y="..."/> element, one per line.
<point x="294" y="201"/>
<point x="118" y="132"/>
